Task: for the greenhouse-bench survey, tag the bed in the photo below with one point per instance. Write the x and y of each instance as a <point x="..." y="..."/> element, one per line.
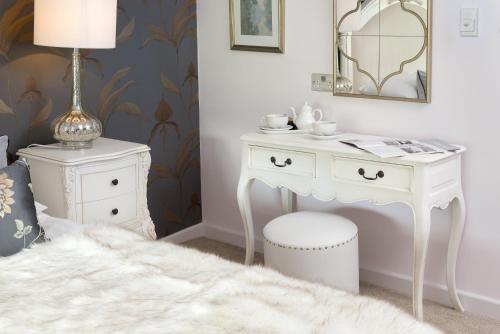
<point x="104" y="279"/>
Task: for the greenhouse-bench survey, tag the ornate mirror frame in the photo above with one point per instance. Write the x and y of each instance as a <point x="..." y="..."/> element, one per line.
<point x="339" y="82"/>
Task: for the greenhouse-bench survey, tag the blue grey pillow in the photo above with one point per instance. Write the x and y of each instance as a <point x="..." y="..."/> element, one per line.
<point x="18" y="223"/>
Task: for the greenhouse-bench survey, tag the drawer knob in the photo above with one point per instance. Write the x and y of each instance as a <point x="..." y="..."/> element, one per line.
<point x="114" y="182"/>
<point x="114" y="212"/>
<point x="380" y="175"/>
<point x="287" y="162"/>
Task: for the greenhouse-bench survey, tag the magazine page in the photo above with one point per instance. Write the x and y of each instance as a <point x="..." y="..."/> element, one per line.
<point x="379" y="148"/>
<point x="442" y="145"/>
<point x="414" y="146"/>
<point x="391" y="147"/>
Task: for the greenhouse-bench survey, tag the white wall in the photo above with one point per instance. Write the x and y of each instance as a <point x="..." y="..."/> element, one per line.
<point x="237" y="88"/>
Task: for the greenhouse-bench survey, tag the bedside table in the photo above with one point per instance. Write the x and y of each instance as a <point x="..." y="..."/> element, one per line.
<point x="104" y="184"/>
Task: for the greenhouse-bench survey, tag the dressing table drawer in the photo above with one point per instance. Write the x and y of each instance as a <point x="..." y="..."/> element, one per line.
<point x="385" y="175"/>
<point x="109" y="183"/>
<point x="283" y="161"/>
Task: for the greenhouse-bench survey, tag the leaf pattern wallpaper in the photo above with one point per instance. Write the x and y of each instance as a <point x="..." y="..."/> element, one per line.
<point x="145" y="91"/>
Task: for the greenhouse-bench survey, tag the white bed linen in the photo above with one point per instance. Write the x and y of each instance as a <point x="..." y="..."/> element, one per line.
<point x="55" y="227"/>
<point x="103" y="279"/>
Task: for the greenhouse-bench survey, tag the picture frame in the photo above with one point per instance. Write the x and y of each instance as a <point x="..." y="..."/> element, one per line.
<point x="257" y="25"/>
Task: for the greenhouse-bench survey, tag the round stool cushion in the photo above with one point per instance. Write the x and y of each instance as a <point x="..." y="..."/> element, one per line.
<point x="310" y="230"/>
<point x="314" y="246"/>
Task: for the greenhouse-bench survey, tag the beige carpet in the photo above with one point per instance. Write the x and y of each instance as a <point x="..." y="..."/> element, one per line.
<point x="442" y="317"/>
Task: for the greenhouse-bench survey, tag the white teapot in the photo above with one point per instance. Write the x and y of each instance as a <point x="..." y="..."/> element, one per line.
<point x="306" y="117"/>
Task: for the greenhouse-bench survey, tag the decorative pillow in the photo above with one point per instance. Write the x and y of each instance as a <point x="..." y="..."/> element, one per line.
<point x="4" y="144"/>
<point x="18" y="223"/>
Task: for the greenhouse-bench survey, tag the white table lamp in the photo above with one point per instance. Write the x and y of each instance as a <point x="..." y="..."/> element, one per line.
<point x="87" y="24"/>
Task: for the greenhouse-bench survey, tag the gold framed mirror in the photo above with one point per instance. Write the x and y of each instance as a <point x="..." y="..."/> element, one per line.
<point x="383" y="49"/>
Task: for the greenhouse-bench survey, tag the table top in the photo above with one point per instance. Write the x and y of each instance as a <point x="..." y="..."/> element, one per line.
<point x="103" y="148"/>
<point x="308" y="143"/>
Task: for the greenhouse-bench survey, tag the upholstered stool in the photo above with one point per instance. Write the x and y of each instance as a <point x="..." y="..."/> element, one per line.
<point x="314" y="246"/>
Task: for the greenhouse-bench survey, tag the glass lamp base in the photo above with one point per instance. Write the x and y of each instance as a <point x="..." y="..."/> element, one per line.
<point x="76" y="145"/>
<point x="76" y="129"/>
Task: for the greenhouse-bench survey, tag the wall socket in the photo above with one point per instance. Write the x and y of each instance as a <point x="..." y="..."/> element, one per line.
<point x="322" y="82"/>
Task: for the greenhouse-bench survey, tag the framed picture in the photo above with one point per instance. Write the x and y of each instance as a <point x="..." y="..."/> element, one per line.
<point x="257" y="25"/>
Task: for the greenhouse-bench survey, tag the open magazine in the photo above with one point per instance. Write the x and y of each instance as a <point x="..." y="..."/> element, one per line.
<point x="391" y="147"/>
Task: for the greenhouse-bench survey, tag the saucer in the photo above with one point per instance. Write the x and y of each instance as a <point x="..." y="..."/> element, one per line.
<point x="286" y="128"/>
<point x="334" y="136"/>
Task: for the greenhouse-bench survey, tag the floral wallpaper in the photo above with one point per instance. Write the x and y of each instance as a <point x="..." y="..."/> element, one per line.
<point x="145" y="91"/>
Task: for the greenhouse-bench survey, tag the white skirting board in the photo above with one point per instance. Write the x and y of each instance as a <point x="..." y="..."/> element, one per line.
<point x="230" y="237"/>
<point x="438" y="293"/>
<point x="473" y="303"/>
<point x="190" y="233"/>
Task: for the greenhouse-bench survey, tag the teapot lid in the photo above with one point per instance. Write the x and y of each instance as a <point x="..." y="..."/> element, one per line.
<point x="306" y="106"/>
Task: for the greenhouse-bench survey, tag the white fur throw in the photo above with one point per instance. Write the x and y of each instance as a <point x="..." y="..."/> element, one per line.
<point x="108" y="280"/>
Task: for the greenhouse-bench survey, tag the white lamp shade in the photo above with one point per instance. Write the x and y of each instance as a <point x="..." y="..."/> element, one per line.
<point x="86" y="24"/>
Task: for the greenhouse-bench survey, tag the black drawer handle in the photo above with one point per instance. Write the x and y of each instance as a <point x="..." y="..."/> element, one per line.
<point x="114" y="212"/>
<point x="288" y="162"/>
<point x="380" y="174"/>
<point x="114" y="182"/>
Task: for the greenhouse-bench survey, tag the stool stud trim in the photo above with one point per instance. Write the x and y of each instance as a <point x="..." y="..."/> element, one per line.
<point x="311" y="249"/>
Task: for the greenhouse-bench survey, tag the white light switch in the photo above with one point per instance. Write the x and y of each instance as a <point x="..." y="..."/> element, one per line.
<point x="469" y="22"/>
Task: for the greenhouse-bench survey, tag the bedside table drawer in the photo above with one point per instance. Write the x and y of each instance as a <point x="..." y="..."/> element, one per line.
<point x="107" y="184"/>
<point x="114" y="210"/>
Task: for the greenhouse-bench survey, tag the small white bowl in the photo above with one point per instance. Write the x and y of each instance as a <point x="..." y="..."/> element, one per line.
<point x="325" y="128"/>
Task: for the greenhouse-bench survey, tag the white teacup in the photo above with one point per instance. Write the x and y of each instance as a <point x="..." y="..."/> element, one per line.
<point x="276" y="121"/>
<point x="325" y="128"/>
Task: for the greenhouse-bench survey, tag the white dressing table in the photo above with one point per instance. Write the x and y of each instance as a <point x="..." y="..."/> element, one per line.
<point x="329" y="170"/>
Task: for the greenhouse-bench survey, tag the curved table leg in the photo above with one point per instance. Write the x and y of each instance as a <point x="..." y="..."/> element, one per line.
<point x="456" y="232"/>
<point x="246" y="215"/>
<point x="420" y="244"/>
<point x="288" y="199"/>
